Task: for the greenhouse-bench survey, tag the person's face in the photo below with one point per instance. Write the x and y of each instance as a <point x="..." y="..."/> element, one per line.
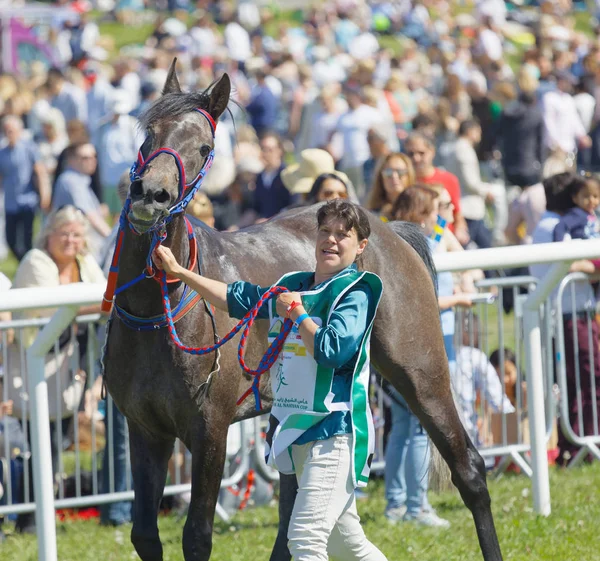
<point x="431" y="219"/>
<point x="446" y="207"/>
<point x="376" y="143"/>
<point x="66" y="242"/>
<point x="588" y="198"/>
<point x="395" y="178"/>
<point x="270" y="152"/>
<point x="332" y="189"/>
<point x="49" y="131"/>
<point x="475" y="134"/>
<point x="421" y="155"/>
<point x="86" y="159"/>
<point x="510" y="374"/>
<point x="12" y="132"/>
<point x="336" y="247"/>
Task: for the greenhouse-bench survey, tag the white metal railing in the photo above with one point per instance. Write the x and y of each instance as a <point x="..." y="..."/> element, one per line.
<point x="69" y="298"/>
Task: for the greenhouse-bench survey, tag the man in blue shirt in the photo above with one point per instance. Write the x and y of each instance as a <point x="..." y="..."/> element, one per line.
<point x="25" y="183"/>
<point x="263" y="106"/>
<point x="74" y="187"/>
<point x="67" y="97"/>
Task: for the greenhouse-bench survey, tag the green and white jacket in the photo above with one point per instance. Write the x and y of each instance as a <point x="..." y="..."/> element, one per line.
<point x="302" y="389"/>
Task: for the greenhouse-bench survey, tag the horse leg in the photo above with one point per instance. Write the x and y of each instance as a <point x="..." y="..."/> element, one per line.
<point x="149" y="462"/>
<point x="424" y="381"/>
<point x="288" y="487"/>
<point x="208" y="447"/>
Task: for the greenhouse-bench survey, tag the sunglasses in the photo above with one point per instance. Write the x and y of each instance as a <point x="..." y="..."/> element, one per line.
<point x="327" y="194"/>
<point x="389" y="172"/>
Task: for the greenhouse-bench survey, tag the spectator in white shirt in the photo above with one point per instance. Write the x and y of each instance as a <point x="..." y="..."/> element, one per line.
<point x="237" y="41"/>
<point x="564" y="129"/>
<point x="462" y="161"/>
<point x="117" y="143"/>
<point x="353" y="126"/>
<point x="474" y="374"/>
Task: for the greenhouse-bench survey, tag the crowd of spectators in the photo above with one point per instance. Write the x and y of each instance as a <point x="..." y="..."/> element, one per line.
<point x="469" y="104"/>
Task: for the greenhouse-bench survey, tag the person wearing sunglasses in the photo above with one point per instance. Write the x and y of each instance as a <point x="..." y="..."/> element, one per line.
<point x="394" y="174"/>
<point x="327" y="187"/>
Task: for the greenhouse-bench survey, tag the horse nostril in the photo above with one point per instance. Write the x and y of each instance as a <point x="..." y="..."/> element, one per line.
<point x="161" y="196"/>
<point x="136" y="189"/>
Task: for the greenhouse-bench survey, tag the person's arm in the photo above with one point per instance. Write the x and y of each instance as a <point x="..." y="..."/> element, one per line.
<point x="334" y="344"/>
<point x="462" y="300"/>
<point x="42" y="181"/>
<point x="99" y="223"/>
<point x="470" y="174"/>
<point x="212" y="290"/>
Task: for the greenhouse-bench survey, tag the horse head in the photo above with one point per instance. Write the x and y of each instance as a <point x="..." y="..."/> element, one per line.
<point x="177" y="152"/>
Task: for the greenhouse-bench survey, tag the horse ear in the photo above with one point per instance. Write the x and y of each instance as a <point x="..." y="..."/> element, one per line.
<point x="219" y="97"/>
<point x="172" y="83"/>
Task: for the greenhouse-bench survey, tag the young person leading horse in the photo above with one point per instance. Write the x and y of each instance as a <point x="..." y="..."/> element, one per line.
<point x="320" y="427"/>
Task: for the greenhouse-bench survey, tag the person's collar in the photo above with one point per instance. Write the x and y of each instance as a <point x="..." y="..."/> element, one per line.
<point x="310" y="281"/>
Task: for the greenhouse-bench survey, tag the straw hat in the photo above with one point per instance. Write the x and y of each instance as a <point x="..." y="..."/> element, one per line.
<point x="299" y="178"/>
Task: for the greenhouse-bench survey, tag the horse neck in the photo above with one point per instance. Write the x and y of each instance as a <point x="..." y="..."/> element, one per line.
<point x="144" y="298"/>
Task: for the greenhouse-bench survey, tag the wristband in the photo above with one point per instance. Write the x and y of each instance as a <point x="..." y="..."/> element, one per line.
<point x="293" y="305"/>
<point x="301" y="319"/>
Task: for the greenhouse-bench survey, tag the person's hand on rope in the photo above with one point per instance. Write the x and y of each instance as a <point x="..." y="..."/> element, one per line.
<point x="285" y="300"/>
<point x="165" y="260"/>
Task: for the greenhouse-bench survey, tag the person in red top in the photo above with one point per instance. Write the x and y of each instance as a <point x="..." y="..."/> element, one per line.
<point x="421" y="150"/>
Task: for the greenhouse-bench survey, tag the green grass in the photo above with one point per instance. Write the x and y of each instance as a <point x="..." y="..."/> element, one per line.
<point x="569" y="533"/>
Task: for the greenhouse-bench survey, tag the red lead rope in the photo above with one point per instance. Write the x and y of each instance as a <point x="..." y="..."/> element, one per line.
<point x="246" y="322"/>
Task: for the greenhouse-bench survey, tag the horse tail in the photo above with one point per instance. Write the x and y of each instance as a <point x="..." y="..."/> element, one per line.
<point x="439" y="472"/>
<point x="412" y="234"/>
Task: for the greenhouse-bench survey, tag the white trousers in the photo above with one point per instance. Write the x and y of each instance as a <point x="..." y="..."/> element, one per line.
<point x="325" y="521"/>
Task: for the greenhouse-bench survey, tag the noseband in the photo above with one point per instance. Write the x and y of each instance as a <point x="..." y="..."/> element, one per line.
<point x="186" y="192"/>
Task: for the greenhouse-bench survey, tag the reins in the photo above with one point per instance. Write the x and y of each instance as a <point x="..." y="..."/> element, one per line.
<point x="186" y="192"/>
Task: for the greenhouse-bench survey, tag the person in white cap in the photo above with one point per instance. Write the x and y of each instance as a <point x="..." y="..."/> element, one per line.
<point x="117" y="142"/>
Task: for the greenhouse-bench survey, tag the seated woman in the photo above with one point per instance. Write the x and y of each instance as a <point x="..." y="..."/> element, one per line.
<point x="61" y="257"/>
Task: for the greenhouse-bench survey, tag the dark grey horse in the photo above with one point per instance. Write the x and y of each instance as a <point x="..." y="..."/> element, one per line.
<point x="163" y="391"/>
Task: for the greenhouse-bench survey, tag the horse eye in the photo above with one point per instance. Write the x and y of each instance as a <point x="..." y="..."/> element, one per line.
<point x="204" y="150"/>
<point x="146" y="146"/>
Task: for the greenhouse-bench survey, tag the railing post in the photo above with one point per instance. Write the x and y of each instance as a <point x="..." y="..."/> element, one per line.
<point x="43" y="484"/>
<point x="535" y="387"/>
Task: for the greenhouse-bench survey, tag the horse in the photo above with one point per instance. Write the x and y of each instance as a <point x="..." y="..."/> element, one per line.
<point x="166" y="393"/>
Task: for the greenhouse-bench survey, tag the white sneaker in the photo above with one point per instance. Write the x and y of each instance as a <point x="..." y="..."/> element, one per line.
<point x="395" y="515"/>
<point x="427" y="518"/>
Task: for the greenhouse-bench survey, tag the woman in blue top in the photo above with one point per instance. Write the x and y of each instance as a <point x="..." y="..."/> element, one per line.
<point x="320" y="427"/>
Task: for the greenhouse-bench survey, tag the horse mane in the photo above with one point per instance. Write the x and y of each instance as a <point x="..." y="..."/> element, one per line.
<point x="173" y="105"/>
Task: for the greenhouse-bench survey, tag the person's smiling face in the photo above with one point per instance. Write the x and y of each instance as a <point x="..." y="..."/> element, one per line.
<point x="337" y="247"/>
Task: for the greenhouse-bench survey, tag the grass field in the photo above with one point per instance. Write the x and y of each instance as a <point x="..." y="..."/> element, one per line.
<point x="570" y="533"/>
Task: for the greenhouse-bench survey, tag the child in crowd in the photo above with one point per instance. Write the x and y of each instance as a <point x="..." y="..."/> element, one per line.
<point x="510" y="375"/>
<point x="475" y="376"/>
<point x="579" y="220"/>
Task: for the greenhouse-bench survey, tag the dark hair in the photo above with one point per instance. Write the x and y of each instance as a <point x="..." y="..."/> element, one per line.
<point x="419" y="136"/>
<point x="414" y="204"/>
<point x="316" y="186"/>
<point x="578" y="183"/>
<point x="352" y="215"/>
<point x="509" y="356"/>
<point x="468" y="125"/>
<point x="71" y="149"/>
<point x="555" y="187"/>
<point x="423" y="120"/>
<point x="271" y="134"/>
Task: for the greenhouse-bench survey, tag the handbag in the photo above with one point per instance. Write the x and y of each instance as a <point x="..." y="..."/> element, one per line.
<point x="65" y="384"/>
